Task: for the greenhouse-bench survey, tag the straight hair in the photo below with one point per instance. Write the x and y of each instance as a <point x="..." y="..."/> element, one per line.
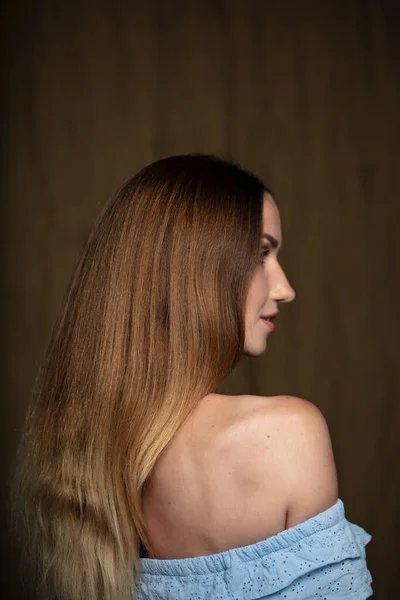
<point x="151" y="322"/>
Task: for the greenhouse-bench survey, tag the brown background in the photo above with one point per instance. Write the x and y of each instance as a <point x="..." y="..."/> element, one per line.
<point x="307" y="95"/>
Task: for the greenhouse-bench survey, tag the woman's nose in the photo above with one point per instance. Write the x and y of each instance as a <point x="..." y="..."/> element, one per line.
<point x="283" y="290"/>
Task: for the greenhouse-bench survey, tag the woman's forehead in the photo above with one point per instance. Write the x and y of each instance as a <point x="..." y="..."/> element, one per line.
<point x="271" y="217"/>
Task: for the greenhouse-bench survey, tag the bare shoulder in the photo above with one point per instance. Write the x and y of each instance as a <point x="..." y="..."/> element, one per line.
<point x="293" y="445"/>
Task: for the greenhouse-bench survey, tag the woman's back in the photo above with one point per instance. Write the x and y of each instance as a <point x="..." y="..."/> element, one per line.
<point x="223" y="481"/>
<point x="244" y="505"/>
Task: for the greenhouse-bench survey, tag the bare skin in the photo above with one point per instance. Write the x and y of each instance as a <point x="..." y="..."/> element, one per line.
<point x="240" y="470"/>
<point x="204" y="497"/>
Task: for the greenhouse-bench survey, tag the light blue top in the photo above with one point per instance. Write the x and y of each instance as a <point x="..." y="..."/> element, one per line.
<point x="323" y="557"/>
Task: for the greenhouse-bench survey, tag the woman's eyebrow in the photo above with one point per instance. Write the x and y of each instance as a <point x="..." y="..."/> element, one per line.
<point x="274" y="241"/>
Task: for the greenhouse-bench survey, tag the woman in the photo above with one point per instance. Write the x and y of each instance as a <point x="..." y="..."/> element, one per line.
<point x="127" y="448"/>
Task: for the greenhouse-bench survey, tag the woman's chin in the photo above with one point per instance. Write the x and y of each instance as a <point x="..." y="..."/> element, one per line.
<point x="255" y="350"/>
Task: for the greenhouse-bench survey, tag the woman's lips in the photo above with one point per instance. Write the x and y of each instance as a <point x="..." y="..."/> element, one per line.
<point x="270" y="325"/>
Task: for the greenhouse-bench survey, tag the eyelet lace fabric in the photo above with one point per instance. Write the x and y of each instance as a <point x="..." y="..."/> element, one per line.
<point x="322" y="558"/>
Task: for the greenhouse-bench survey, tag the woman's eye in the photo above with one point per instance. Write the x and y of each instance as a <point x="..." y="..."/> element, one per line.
<point x="266" y="252"/>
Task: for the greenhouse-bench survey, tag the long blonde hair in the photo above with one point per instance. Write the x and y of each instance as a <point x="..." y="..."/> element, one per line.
<point x="151" y="322"/>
